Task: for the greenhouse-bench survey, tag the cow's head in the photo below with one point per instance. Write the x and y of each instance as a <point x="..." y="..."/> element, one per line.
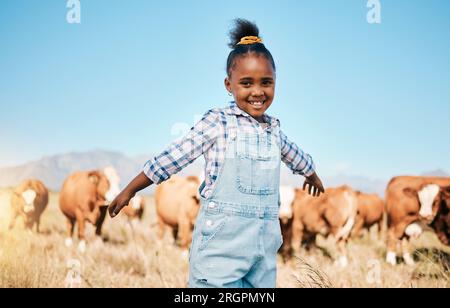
<point x="27" y="206"/>
<point x="102" y="186"/>
<point x="113" y="180"/>
<point x="429" y="197"/>
<point x="28" y="197"/>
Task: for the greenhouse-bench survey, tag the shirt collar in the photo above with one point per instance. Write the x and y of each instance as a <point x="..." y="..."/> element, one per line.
<point x="235" y="110"/>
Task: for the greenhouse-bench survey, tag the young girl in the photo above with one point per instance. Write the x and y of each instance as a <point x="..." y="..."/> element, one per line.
<point x="237" y="232"/>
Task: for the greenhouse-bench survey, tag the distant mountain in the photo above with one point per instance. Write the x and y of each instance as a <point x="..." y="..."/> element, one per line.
<point x="52" y="170"/>
<point x="360" y="183"/>
<point x="437" y="172"/>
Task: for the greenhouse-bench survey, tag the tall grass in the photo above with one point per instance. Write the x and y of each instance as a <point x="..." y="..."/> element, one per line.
<point x="134" y="257"/>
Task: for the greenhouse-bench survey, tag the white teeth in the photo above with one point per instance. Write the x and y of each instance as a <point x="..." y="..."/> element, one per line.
<point x="257" y="103"/>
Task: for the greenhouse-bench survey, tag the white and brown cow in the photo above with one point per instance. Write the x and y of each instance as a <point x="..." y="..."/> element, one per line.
<point x="85" y="196"/>
<point x="332" y="214"/>
<point x="135" y="209"/>
<point x="28" y="200"/>
<point x="370" y="213"/>
<point x="410" y="202"/>
<point x="177" y="203"/>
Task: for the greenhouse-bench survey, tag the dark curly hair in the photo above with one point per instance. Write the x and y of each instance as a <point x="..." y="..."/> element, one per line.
<point x="243" y="27"/>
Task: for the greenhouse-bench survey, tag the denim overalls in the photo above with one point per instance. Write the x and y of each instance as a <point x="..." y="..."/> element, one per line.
<point x="237" y="232"/>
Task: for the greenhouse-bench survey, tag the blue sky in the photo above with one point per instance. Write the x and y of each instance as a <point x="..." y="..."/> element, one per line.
<point x="363" y="99"/>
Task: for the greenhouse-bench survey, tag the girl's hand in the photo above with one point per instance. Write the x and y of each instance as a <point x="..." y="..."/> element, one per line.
<point x="119" y="202"/>
<point x="138" y="183"/>
<point x="315" y="185"/>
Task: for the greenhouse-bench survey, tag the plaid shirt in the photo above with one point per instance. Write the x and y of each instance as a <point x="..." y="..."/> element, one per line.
<point x="208" y="137"/>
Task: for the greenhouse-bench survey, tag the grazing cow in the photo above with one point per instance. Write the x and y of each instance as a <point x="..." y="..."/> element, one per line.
<point x="177" y="204"/>
<point x="287" y="197"/>
<point x="135" y="209"/>
<point x="28" y="201"/>
<point x="370" y="212"/>
<point x="410" y="202"/>
<point x="85" y="196"/>
<point x="331" y="214"/>
<point x="441" y="223"/>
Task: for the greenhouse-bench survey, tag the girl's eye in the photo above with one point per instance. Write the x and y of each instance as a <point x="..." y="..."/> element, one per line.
<point x="267" y="82"/>
<point x="246" y="83"/>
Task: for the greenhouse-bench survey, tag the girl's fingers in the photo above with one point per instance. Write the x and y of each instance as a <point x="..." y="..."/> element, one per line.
<point x="304" y="185"/>
<point x="117" y="209"/>
<point x="111" y="209"/>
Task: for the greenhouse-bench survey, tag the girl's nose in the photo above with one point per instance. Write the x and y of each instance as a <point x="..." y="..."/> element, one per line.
<point x="257" y="92"/>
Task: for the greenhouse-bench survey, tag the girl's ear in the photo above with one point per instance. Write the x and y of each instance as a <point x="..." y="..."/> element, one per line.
<point x="227" y="84"/>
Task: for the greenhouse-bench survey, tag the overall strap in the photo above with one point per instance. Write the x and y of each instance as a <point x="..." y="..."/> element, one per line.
<point x="231" y="127"/>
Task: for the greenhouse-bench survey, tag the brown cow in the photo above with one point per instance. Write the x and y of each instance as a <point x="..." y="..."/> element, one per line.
<point x="370" y="212"/>
<point x="135" y="209"/>
<point x="85" y="195"/>
<point x="411" y="201"/>
<point x="331" y="214"/>
<point x="28" y="201"/>
<point x="441" y="223"/>
<point x="177" y="205"/>
<point x="287" y="197"/>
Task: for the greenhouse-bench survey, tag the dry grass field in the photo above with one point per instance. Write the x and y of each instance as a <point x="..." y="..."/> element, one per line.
<point x="134" y="257"/>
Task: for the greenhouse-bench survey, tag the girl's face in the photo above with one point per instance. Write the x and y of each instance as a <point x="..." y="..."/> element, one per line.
<point x="252" y="83"/>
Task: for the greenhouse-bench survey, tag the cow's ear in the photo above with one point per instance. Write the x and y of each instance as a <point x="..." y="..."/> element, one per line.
<point x="193" y="178"/>
<point x="410" y="192"/>
<point x="196" y="200"/>
<point x="94" y="177"/>
<point x="446" y="192"/>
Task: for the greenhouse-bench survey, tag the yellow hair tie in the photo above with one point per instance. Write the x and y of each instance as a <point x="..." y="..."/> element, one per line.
<point x="247" y="40"/>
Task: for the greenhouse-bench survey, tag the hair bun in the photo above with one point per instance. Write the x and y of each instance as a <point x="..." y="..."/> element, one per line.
<point x="242" y="29"/>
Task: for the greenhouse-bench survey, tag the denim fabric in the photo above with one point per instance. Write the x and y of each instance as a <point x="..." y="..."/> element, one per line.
<point x="237" y="232"/>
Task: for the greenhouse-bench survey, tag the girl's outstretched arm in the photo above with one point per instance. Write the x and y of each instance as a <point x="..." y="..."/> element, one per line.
<point x="140" y="182"/>
<point x="300" y="163"/>
<point x="173" y="159"/>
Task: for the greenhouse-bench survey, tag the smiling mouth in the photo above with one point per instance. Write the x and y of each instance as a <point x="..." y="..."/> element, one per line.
<point x="257" y="104"/>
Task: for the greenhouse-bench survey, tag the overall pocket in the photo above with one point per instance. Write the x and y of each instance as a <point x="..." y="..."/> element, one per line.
<point x="257" y="162"/>
<point x="211" y="225"/>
